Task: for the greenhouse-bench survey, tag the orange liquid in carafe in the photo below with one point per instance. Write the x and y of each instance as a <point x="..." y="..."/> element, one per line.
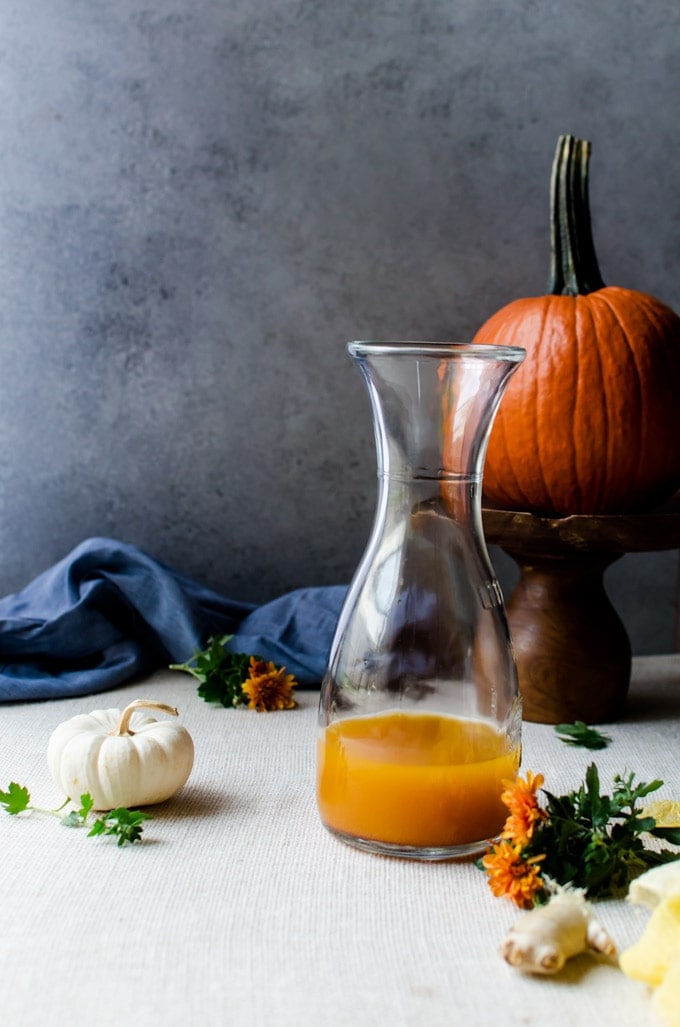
<point x="414" y="779"/>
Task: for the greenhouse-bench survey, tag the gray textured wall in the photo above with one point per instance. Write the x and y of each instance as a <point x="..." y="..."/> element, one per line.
<point x="201" y="200"/>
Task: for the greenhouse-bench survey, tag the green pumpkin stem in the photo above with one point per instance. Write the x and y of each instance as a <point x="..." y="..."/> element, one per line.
<point x="574" y="270"/>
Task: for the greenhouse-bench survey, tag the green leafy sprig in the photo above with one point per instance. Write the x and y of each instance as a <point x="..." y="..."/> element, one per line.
<point x="78" y="817"/>
<point x="220" y="674"/>
<point x="124" y="823"/>
<point x="581" y="735"/>
<point x="17" y="799"/>
<point x="595" y="841"/>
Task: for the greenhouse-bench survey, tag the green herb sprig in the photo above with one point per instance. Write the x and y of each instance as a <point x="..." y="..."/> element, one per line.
<point x="595" y="841"/>
<point x="581" y="735"/>
<point x="124" y="823"/>
<point x="220" y="674"/>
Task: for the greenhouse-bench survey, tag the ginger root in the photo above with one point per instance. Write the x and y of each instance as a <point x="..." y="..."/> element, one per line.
<point x="542" y="940"/>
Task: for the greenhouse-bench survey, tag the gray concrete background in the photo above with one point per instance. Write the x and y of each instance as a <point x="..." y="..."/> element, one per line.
<point x="201" y="200"/>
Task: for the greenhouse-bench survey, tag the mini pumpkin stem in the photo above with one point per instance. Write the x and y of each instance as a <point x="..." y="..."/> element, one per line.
<point x="139" y="704"/>
<point x="574" y="270"/>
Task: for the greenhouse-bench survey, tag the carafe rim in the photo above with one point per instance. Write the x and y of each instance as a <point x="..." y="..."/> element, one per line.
<point x="438" y="350"/>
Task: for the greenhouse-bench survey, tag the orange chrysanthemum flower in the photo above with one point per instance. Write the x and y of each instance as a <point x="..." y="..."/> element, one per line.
<point x="268" y="687"/>
<point x="520" y="798"/>
<point x="513" y="876"/>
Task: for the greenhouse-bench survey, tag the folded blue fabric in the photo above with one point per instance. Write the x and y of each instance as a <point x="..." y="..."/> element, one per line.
<point x="108" y="613"/>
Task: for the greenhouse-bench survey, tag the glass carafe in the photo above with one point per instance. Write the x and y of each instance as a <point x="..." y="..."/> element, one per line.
<point x="420" y="716"/>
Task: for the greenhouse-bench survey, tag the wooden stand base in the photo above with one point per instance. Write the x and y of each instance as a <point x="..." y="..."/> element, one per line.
<point x="572" y="650"/>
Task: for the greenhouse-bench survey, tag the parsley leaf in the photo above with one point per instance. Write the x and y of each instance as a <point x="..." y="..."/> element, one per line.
<point x="580" y="734"/>
<point x="76" y="818"/>
<point x="86" y="804"/>
<point x="72" y="820"/>
<point x="125" y="823"/>
<point x="220" y="673"/>
<point x="16" y="799"/>
<point x="669" y="834"/>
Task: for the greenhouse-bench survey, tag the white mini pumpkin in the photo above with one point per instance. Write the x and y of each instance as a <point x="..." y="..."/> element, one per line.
<point x="121" y="759"/>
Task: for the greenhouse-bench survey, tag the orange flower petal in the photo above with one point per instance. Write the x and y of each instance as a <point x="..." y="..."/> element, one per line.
<point x="268" y="687"/>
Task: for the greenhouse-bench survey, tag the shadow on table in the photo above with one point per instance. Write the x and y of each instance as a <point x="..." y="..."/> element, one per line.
<point x="196" y="802"/>
<point x="577" y="969"/>
<point x="640" y="709"/>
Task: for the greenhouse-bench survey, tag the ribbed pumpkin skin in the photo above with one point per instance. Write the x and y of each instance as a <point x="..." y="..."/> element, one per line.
<point x="590" y="423"/>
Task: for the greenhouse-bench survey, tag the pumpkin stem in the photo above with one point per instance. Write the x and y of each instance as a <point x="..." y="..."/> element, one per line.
<point x="574" y="270"/>
<point x="146" y="704"/>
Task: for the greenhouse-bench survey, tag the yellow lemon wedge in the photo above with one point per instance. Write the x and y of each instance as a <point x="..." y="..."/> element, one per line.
<point x="666" y="812"/>
<point x="650" y="958"/>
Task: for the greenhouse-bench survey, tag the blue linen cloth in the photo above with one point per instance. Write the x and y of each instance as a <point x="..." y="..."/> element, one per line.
<point x="108" y="613"/>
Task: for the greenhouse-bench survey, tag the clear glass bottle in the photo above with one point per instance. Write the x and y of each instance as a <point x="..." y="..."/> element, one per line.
<point x="420" y="716"/>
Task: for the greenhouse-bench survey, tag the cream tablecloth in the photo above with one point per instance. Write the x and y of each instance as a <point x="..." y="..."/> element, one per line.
<point x="239" y="909"/>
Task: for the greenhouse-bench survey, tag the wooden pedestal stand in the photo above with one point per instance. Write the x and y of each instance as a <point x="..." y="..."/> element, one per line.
<point x="572" y="650"/>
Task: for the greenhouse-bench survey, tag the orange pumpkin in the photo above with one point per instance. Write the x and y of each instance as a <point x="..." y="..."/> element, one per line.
<point x="590" y="422"/>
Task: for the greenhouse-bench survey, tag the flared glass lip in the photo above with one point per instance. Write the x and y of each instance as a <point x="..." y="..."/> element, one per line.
<point x="388" y="347"/>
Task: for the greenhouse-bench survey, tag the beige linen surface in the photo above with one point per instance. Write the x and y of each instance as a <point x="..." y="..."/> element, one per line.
<point x="239" y="909"/>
